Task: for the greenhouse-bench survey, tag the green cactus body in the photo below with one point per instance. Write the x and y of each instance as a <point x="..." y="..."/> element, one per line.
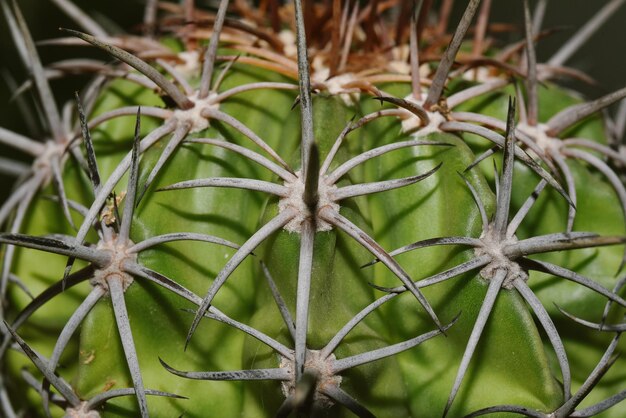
<point x="101" y="357"/>
<point x="336" y="260"/>
<point x="317" y="278"/>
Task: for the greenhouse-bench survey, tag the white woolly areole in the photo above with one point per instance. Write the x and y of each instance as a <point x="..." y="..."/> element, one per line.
<point x="539" y="134"/>
<point x="413" y="123"/>
<point x="295" y="200"/>
<point x="494" y="247"/>
<point x="480" y="74"/>
<point x="334" y="85"/>
<point x="436" y="119"/>
<point x="81" y="411"/>
<point x="193" y="116"/>
<point x="288" y="38"/>
<point x="404" y="68"/>
<point x="399" y="62"/>
<point x="321" y="367"/>
<point x="190" y="66"/>
<point x="115" y="268"/>
<point x="401" y="67"/>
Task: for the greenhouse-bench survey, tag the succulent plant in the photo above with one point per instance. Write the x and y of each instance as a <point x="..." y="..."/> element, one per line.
<point x="313" y="209"/>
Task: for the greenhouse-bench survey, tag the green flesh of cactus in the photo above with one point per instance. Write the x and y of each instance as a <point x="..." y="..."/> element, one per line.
<point x="514" y="362"/>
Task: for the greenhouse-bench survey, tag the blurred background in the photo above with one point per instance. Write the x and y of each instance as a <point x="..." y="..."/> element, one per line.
<point x="603" y="58"/>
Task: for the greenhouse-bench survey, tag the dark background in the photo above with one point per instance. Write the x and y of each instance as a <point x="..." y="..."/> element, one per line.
<point x="604" y="57"/>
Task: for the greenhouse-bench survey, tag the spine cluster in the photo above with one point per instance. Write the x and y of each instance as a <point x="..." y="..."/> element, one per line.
<point x="319" y="209"/>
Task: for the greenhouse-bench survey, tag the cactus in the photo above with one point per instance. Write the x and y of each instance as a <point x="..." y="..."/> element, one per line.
<point x="313" y="209"/>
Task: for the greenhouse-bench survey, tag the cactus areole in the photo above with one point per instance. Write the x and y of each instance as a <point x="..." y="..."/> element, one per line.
<point x="316" y="209"/>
